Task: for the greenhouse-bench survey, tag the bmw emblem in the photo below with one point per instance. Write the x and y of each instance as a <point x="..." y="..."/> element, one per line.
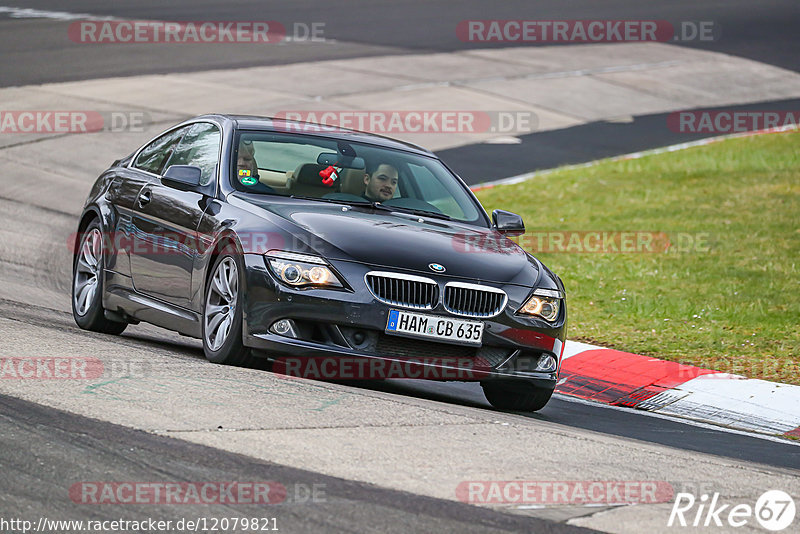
<point x="436" y="267"/>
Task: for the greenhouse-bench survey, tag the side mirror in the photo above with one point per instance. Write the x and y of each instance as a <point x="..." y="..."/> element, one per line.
<point x="186" y="178"/>
<point x="506" y="222"/>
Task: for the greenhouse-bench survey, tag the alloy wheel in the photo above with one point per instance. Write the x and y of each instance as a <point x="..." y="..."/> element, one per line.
<point x="87" y="271"/>
<point x="221" y="303"/>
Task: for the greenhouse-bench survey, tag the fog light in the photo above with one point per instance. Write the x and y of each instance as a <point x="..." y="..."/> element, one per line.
<point x="546" y="363"/>
<point x="284" y="327"/>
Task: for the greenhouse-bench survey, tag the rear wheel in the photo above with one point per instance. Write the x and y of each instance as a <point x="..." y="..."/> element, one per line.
<point x="515" y="395"/>
<point x="222" y="313"/>
<point x="87" y="284"/>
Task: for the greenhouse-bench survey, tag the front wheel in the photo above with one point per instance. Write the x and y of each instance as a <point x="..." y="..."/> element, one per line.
<point x="515" y="395"/>
<point x="87" y="284"/>
<point x="222" y="313"/>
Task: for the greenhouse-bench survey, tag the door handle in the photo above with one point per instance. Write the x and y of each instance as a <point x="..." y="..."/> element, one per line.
<point x="144" y="198"/>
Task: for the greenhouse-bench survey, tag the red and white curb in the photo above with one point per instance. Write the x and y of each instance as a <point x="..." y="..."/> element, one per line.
<point x="622" y="379"/>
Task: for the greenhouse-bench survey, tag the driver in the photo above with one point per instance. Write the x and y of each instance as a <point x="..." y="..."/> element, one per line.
<point x="381" y="184"/>
<point x="247" y="161"/>
<point x="247" y="169"/>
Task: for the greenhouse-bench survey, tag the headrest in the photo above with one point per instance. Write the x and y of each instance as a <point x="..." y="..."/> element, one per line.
<point x="352" y="181"/>
<point x="308" y="174"/>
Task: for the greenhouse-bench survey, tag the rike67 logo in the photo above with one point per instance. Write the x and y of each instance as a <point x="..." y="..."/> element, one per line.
<point x="774" y="510"/>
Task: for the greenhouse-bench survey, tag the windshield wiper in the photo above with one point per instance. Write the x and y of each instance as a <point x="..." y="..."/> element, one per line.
<point x="423" y="213"/>
<point x="365" y="203"/>
<point x="378" y="206"/>
<point x="346" y="202"/>
<point x="399" y="209"/>
<point x="301" y="197"/>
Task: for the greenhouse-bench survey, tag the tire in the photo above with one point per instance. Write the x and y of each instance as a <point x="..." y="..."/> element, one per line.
<point x="222" y="312"/>
<point x="515" y="396"/>
<point x="87" y="283"/>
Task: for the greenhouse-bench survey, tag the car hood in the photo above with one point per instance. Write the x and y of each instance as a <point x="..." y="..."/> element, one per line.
<point x="395" y="240"/>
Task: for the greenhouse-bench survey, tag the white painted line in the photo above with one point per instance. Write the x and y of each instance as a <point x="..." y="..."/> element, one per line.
<point x="601" y="70"/>
<point x="28" y="13"/>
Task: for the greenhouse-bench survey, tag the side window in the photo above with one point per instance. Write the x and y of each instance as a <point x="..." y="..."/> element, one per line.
<point x="152" y="157"/>
<point x="199" y="147"/>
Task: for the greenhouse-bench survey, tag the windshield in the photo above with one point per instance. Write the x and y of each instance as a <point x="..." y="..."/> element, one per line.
<point x="333" y="170"/>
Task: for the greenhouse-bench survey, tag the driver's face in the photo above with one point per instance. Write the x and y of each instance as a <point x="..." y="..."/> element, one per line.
<point x="246" y="159"/>
<point x="382" y="184"/>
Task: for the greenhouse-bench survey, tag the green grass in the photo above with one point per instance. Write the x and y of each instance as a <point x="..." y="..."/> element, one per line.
<point x="731" y="304"/>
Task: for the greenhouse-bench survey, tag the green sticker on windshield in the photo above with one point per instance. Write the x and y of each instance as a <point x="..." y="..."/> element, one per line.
<point x="246" y="178"/>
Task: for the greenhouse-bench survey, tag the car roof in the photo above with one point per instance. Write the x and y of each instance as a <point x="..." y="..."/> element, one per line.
<point x="272" y="124"/>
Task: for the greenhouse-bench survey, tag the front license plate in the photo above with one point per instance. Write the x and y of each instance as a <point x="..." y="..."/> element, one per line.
<point x="419" y="325"/>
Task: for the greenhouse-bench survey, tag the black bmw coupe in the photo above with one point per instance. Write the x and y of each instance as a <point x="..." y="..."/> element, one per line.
<point x="333" y="253"/>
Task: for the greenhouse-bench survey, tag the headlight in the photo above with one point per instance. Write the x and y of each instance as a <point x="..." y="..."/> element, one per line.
<point x="300" y="270"/>
<point x="545" y="303"/>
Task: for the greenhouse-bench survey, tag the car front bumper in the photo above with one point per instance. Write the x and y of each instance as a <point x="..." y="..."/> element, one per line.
<point x="335" y="329"/>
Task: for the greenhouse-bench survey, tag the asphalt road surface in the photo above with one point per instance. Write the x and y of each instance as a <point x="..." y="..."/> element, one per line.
<point x="34" y="49"/>
<point x="43" y="448"/>
<point x="480" y="162"/>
